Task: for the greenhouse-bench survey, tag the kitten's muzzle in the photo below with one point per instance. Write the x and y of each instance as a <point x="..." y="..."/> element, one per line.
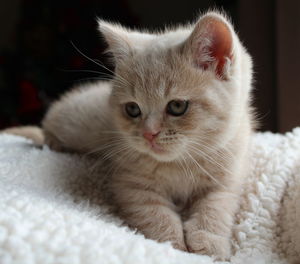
<point x="150" y="136"/>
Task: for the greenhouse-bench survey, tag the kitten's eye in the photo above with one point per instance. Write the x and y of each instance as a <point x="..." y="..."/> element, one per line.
<point x="132" y="109"/>
<point x="177" y="107"/>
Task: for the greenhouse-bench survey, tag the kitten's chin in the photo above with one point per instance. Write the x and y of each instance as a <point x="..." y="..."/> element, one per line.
<point x="163" y="157"/>
<point x="159" y="153"/>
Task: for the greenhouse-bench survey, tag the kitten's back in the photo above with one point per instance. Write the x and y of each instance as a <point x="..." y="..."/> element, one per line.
<point x="80" y="118"/>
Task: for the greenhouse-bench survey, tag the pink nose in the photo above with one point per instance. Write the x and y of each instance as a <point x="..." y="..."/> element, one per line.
<point x="150" y="135"/>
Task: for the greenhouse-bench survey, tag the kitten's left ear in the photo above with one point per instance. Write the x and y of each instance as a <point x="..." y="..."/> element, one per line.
<point x="210" y="44"/>
<point x="116" y="37"/>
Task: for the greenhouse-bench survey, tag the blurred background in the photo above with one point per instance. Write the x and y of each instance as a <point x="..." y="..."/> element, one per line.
<point x="38" y="61"/>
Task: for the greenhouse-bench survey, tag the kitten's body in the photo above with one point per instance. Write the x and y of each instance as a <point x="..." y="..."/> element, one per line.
<point x="185" y="186"/>
<point x="137" y="180"/>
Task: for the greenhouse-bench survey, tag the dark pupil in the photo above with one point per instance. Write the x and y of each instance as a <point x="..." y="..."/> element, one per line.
<point x="132" y="109"/>
<point x="178" y="105"/>
<point x="177" y="108"/>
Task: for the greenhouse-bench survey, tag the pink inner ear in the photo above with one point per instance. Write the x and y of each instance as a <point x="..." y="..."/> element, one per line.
<point x="219" y="47"/>
<point x="221" y="44"/>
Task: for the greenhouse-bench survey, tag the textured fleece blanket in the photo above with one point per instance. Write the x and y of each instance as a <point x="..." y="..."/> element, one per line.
<point x="51" y="210"/>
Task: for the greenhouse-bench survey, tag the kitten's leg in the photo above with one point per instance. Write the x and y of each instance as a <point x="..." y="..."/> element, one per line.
<point x="152" y="215"/>
<point x="31" y="132"/>
<point x="208" y="229"/>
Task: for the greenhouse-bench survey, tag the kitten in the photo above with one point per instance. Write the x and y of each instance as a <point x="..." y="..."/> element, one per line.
<point x="174" y="125"/>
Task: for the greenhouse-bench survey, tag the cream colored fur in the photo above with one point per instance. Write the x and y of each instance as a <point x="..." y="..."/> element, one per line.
<point x="30" y="132"/>
<point x="188" y="193"/>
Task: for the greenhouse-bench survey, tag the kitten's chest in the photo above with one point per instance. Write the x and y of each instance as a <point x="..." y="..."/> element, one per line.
<point x="174" y="181"/>
<point x="180" y="184"/>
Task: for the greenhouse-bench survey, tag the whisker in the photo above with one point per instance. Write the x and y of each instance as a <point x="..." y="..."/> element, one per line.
<point x="188" y="170"/>
<point x="216" y="151"/>
<point x="127" y="155"/>
<point x="208" y="158"/>
<point x="88" y="71"/>
<point x="98" y="63"/>
<point x="113" y="152"/>
<point x="96" y="79"/>
<point x="114" y="138"/>
<point x="204" y="170"/>
<point x="108" y="155"/>
<point x="111" y="143"/>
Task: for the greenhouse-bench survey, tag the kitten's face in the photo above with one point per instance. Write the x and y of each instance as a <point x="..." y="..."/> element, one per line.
<point x="176" y="94"/>
<point x="166" y="107"/>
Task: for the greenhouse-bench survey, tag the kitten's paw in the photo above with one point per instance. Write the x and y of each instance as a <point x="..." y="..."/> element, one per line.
<point x="206" y="243"/>
<point x="179" y="246"/>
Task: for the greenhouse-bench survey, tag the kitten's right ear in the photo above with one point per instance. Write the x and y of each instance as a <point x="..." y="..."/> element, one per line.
<point x="117" y="38"/>
<point x="211" y="44"/>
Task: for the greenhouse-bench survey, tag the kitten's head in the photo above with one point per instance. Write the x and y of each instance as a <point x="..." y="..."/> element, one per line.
<point x="181" y="90"/>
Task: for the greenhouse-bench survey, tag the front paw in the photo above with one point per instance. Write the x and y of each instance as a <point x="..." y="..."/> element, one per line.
<point x="180" y="246"/>
<point x="206" y="243"/>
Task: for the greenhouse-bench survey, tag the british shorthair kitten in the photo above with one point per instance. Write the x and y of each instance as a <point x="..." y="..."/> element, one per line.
<point x="174" y="125"/>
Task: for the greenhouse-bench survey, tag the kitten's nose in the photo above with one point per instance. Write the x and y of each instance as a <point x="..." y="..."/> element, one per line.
<point x="150" y="135"/>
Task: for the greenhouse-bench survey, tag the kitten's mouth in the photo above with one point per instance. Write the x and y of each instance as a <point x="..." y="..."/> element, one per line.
<point x="159" y="152"/>
<point x="156" y="147"/>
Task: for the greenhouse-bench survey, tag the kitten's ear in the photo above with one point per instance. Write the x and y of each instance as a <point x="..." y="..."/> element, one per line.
<point x="116" y="37"/>
<point x="210" y="44"/>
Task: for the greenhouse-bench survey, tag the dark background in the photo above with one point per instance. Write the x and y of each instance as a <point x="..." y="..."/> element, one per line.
<point x="38" y="61"/>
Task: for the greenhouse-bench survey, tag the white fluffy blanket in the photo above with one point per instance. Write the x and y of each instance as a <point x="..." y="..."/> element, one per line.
<point x="51" y="211"/>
